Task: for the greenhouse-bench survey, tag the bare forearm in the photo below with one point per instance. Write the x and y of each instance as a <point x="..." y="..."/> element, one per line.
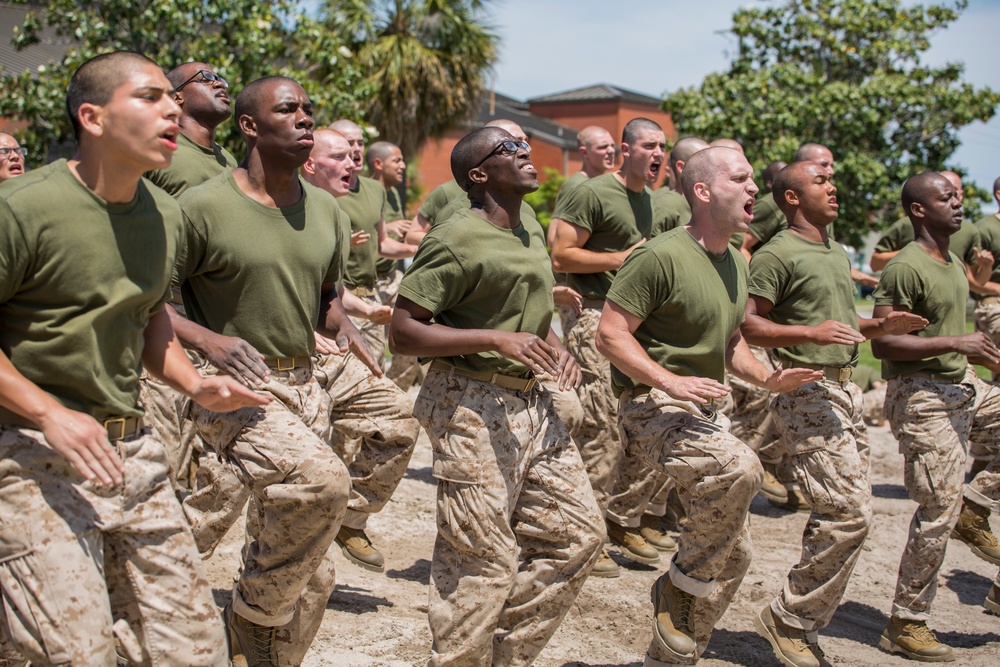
<point x="880" y="259"/>
<point x="163" y="356"/>
<point x="580" y="260"/>
<point x="913" y="348"/>
<point x="393" y="249"/>
<point x="21" y="395"/>
<point x="763" y="332"/>
<point x="741" y="363"/>
<point x="624" y="351"/>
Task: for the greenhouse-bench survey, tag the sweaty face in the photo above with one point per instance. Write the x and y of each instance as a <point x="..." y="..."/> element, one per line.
<point x="646" y="155"/>
<point x="284" y="122"/>
<point x="824" y="157"/>
<point x="333" y="166"/>
<point x="599" y="152"/>
<point x="394" y="168"/>
<point x="510" y="173"/>
<point x="956" y="182"/>
<point x="12" y="164"/>
<point x="203" y="99"/>
<point x="138" y="125"/>
<point x="356" y="140"/>
<point x="817" y="195"/>
<point x="732" y="193"/>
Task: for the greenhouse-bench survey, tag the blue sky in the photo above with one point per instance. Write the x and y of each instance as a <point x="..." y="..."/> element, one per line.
<point x="658" y="46"/>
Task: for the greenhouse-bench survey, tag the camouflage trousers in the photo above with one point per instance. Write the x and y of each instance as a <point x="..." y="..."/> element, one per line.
<point x="402" y="369"/>
<point x="298" y="490"/>
<point x="81" y="564"/>
<point x="518" y="529"/>
<point x="166" y="415"/>
<point x="873" y="409"/>
<point x="987" y="319"/>
<point x="622" y="485"/>
<point x="374" y="334"/>
<point x="752" y="421"/>
<point x="716" y="477"/>
<point x="829" y="452"/>
<point x="935" y="421"/>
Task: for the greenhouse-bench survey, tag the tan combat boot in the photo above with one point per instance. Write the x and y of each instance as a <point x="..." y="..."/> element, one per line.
<point x="633" y="545"/>
<point x="914" y="640"/>
<point x="771" y="488"/>
<point x="992" y="601"/>
<point x="250" y="645"/>
<point x="358" y="549"/>
<point x="673" y="619"/>
<point x="605" y="568"/>
<point x="973" y="528"/>
<point x="652" y="530"/>
<point x="790" y="644"/>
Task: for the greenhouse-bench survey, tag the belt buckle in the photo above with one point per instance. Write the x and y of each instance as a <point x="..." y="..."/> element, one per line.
<point x="843" y="375"/>
<point x="120" y="421"/>
<point x="531" y="384"/>
<point x="286" y="368"/>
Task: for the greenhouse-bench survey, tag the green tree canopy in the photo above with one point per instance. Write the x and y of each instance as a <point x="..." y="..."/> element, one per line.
<point x="426" y="60"/>
<point x="241" y="39"/>
<point x="847" y="74"/>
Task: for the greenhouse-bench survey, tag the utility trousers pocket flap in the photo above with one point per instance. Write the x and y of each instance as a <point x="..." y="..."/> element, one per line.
<point x="459" y="470"/>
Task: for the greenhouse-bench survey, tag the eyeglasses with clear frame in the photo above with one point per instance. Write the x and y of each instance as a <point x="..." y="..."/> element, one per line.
<point x="6" y="152"/>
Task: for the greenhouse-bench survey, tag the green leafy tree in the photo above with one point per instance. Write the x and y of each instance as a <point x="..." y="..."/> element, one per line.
<point x="543" y="200"/>
<point x="847" y="74"/>
<point x="241" y="39"/>
<point x="426" y="60"/>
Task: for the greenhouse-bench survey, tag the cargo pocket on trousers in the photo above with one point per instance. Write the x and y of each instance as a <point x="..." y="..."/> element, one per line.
<point x="463" y="516"/>
<point x="30" y="603"/>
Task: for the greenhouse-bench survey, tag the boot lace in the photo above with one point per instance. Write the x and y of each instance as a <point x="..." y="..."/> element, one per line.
<point x="261" y="642"/>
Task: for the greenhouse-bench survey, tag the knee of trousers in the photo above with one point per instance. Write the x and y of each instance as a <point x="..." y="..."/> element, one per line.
<point x="329" y="481"/>
<point x="746" y="472"/>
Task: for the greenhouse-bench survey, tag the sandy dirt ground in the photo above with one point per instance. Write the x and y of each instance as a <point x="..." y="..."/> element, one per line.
<point x="380" y="620"/>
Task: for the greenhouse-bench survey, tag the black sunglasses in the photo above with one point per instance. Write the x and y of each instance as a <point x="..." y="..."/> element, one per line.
<point x="206" y="77"/>
<point x="505" y="148"/>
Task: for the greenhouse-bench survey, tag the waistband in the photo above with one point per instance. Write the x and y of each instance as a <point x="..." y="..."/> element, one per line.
<point x="839" y="374"/>
<point x="363" y="290"/>
<point x="287" y="363"/>
<point x="931" y="376"/>
<point x="510" y="382"/>
<point x="120" y="429"/>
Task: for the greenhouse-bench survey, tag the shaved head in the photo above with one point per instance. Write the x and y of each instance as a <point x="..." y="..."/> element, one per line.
<point x="249" y="100"/>
<point x="791" y="178"/>
<point x="637" y="126"/>
<point x="726" y="142"/>
<point x="996" y="188"/>
<point x="509" y="125"/>
<point x="96" y="80"/>
<point x="921" y="188"/>
<point x="771" y="172"/>
<point x="703" y="167"/>
<point x="324" y="138"/>
<point x="472" y="148"/>
<point x="955" y="180"/>
<point x="380" y="150"/>
<point x="182" y="73"/>
<point x="345" y="126"/>
<point x="811" y="151"/>
<point x="685" y="148"/>
<point x="591" y="135"/>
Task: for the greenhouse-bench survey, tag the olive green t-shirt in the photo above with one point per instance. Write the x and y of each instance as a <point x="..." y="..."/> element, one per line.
<point x="365" y="205"/>
<point x="935" y="290"/>
<point x="78" y="279"/>
<point x="767" y="220"/>
<point x="570" y="184"/>
<point x="192" y="165"/>
<point x="670" y="209"/>
<point x="256" y="272"/>
<point x="473" y="275"/>
<point x="988" y="227"/>
<point x="463" y="204"/>
<point x="616" y="218"/>
<point x="964" y="242"/>
<point x="808" y="283"/>
<point x="438" y="198"/>
<point x="689" y="300"/>
<point x="393" y="212"/>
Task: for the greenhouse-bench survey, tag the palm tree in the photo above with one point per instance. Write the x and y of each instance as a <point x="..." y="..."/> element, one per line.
<point x="427" y="62"/>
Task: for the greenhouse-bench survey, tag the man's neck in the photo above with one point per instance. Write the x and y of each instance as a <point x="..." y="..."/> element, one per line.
<point x="807" y="230"/>
<point x="706" y="232"/>
<point x="593" y="172"/>
<point x="630" y="182"/>
<point x="270" y="185"/>
<point x="935" y="246"/>
<point x="501" y="211"/>
<point x="196" y="132"/>
<point x="114" y="183"/>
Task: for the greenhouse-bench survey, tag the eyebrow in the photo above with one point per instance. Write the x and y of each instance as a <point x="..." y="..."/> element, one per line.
<point x="155" y="89"/>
